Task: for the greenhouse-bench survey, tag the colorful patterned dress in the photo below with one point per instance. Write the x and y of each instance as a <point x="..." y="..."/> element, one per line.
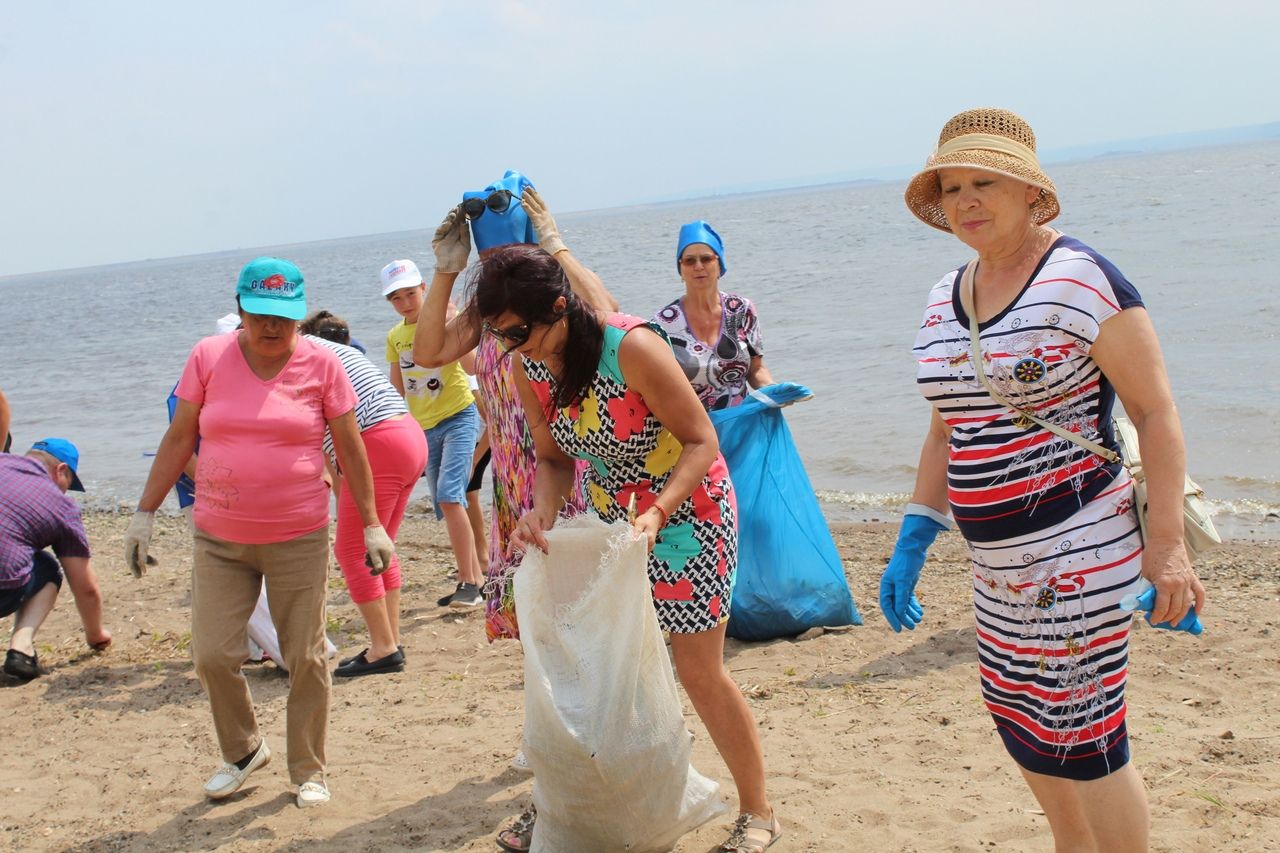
<point x="630" y="452"/>
<point x="717" y="370"/>
<point x="1051" y="528"/>
<point x="512" y="462"/>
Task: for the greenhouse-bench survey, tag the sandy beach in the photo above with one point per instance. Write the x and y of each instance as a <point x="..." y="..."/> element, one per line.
<point x="873" y="741"/>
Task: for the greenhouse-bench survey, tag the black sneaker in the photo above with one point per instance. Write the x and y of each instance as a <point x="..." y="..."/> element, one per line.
<point x="22" y="666"/>
<point x="468" y="595"/>
<point x="361" y="665"/>
<point x="448" y="599"/>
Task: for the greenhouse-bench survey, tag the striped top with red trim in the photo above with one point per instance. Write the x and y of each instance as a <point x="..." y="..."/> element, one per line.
<point x="1004" y="479"/>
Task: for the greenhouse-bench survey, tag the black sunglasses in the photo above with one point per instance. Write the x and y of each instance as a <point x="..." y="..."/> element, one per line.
<point x="498" y="201"/>
<point x="512" y="336"/>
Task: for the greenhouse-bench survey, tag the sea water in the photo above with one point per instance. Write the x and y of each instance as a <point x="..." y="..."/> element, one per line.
<point x="839" y="274"/>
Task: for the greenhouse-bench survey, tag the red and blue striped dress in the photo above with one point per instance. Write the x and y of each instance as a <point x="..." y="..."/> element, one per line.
<point x="1051" y="528"/>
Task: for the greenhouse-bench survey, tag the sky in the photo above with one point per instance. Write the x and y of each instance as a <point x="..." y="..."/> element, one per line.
<point x="132" y="130"/>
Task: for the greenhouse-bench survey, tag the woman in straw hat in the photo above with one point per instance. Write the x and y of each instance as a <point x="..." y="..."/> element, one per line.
<point x="1051" y="527"/>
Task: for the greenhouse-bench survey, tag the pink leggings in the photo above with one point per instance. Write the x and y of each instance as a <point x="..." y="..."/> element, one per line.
<point x="397" y="452"/>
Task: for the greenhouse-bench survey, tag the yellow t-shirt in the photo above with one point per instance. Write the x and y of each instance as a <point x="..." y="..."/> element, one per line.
<point x="433" y="393"/>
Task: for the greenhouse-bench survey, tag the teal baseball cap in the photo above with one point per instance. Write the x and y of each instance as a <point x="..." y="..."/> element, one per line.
<point x="272" y="286"/>
<point x="66" y="453"/>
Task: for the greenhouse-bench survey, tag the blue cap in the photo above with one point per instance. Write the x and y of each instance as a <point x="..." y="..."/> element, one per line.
<point x="490" y="229"/>
<point x="65" y="452"/>
<point x="700" y="231"/>
<point x="274" y="287"/>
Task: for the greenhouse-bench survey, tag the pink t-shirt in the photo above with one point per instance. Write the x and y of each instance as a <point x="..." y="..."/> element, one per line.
<point x="258" y="476"/>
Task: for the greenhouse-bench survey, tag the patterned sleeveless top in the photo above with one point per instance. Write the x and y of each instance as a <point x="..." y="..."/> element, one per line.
<point x="629" y="452"/>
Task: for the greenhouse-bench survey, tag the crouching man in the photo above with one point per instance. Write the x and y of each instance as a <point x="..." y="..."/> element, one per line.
<point x="35" y="514"/>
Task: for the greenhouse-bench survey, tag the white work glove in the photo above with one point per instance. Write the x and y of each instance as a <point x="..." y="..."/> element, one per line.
<point x="378" y="549"/>
<point x="452" y="242"/>
<point x="543" y="224"/>
<point x="137" y="541"/>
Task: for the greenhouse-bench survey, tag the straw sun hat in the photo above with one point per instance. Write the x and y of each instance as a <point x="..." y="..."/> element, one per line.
<point x="991" y="139"/>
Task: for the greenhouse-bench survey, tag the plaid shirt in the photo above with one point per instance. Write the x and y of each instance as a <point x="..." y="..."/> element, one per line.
<point x="34" y="515"/>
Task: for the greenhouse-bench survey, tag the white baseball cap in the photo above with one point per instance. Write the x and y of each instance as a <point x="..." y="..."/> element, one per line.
<point x="398" y="274"/>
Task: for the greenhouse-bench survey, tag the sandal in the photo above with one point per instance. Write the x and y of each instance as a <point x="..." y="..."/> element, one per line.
<point x="518" y="837"/>
<point x="752" y="834"/>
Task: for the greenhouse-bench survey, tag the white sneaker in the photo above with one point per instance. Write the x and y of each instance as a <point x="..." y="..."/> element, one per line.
<point x="229" y="778"/>
<point x="313" y="792"/>
<point x="520" y="764"/>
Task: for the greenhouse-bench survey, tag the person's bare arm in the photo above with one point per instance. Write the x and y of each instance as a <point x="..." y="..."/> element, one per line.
<point x="1128" y="353"/>
<point x="437" y="339"/>
<point x="397" y="377"/>
<point x="585" y="283"/>
<point x="88" y="596"/>
<point x="172" y="457"/>
<point x="354" y="463"/>
<point x="5" y="417"/>
<point x="650" y="369"/>
<point x="758" y="376"/>
<point x="931" y="473"/>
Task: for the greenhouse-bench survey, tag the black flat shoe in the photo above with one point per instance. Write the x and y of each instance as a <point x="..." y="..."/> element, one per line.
<point x="348" y="661"/>
<point x="22" y="666"/>
<point x="361" y="665"/>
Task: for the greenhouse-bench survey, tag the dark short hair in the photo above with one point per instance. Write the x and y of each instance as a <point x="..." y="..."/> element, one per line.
<point x="331" y="327"/>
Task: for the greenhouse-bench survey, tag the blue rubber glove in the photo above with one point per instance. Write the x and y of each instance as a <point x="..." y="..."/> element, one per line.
<point x="920" y="526"/>
<point x="1145" y="600"/>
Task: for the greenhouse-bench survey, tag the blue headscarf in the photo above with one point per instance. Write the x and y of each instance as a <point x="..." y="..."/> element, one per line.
<point x="512" y="225"/>
<point x="700" y="231"/>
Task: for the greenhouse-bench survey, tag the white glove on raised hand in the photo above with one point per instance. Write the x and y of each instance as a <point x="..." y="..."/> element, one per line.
<point x="543" y="223"/>
<point x="451" y="243"/>
<point x="378" y="549"/>
<point x="137" y="541"/>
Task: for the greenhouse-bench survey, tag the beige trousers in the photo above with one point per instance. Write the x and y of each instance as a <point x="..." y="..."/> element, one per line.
<point x="226" y="578"/>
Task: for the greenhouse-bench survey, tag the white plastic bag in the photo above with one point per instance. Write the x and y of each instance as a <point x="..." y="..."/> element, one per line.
<point x="262" y="633"/>
<point x="603" y="728"/>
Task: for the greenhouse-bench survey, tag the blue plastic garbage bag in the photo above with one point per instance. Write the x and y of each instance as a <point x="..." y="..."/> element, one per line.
<point x="789" y="578"/>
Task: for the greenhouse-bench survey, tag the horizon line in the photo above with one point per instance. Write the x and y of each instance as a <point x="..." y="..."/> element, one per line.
<point x="1067" y="155"/>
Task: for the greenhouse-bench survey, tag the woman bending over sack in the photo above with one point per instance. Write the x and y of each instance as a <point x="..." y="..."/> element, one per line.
<point x="606" y="388"/>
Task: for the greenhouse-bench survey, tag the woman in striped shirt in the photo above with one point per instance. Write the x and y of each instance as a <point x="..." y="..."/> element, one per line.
<point x="1052" y="531"/>
<point x="397" y="454"/>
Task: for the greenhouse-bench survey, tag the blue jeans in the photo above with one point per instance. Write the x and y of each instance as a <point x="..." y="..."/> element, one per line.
<point x="45" y="568"/>
<point x="450" y="446"/>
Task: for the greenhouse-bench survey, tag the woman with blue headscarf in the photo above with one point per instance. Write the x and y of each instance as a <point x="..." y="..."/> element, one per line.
<point x="715" y="335"/>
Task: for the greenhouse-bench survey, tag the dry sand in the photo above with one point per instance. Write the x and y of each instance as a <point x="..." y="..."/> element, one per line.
<point x="873" y="741"/>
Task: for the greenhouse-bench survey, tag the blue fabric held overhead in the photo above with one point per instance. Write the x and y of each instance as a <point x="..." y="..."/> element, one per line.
<point x="789" y="577"/>
<point x="491" y="229"/>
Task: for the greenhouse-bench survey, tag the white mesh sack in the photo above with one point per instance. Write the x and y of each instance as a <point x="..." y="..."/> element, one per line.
<point x="603" y="728"/>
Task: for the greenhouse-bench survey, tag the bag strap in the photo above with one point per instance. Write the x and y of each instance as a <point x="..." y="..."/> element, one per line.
<point x="968" y="304"/>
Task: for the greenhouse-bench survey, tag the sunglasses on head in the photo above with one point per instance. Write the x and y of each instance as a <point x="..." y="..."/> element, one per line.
<point x="693" y="260"/>
<point x="512" y="336"/>
<point x="498" y="201"/>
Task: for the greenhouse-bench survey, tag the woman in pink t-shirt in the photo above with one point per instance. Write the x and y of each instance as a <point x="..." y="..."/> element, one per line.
<point x="260" y="400"/>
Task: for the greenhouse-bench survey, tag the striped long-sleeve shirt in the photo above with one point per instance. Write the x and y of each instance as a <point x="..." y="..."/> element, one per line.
<point x="376" y="398"/>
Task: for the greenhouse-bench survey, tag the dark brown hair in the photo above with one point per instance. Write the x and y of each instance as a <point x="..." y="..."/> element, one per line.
<point x="324" y="324"/>
<point x="527" y="282"/>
